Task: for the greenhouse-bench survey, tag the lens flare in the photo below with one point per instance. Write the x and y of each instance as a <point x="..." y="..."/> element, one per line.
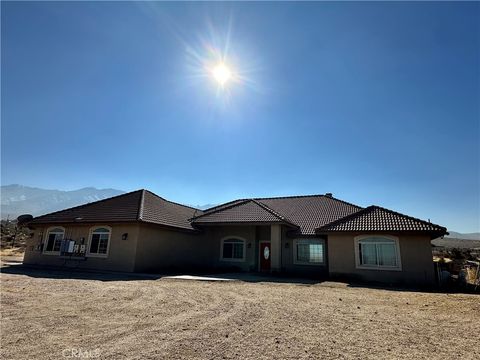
<point x="221" y="73"/>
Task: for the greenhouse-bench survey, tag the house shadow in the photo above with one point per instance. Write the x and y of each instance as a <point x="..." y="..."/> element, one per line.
<point x="73" y="273"/>
<point x="208" y="275"/>
<point x="216" y="276"/>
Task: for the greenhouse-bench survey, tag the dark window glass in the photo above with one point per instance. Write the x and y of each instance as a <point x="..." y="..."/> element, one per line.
<point x="238" y="251"/>
<point x="103" y="243"/>
<point x="227" y="250"/>
<point x="310" y="252"/>
<point x="58" y="243"/>
<point x="50" y="242"/>
<point x="233" y="249"/>
<point x="94" y="243"/>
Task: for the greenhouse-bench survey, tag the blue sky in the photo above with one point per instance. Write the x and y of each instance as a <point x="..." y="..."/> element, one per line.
<point x="377" y="103"/>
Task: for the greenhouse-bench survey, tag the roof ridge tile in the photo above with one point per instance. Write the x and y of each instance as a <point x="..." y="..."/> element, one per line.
<point x="221" y="209"/>
<point x="346" y="218"/>
<point x="275" y="213"/>
<point x="171" y="202"/>
<point x="141" y="205"/>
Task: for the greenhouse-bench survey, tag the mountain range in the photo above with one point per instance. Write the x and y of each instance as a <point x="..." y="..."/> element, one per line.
<point x="18" y="199"/>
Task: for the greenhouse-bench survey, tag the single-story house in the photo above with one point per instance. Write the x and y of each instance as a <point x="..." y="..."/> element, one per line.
<point x="315" y="235"/>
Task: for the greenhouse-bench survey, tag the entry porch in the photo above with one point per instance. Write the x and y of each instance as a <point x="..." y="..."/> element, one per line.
<point x="265" y="248"/>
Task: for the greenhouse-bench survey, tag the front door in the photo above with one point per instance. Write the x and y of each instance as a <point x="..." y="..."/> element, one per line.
<point x="265" y="251"/>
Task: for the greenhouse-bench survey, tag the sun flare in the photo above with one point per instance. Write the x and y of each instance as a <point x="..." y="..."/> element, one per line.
<point x="221" y="73"/>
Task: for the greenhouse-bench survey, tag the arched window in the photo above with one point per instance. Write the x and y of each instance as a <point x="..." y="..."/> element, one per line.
<point x="54" y="240"/>
<point x="99" y="241"/>
<point x="233" y="249"/>
<point x="377" y="252"/>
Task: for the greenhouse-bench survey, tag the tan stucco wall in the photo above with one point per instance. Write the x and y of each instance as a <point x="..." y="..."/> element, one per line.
<point x="153" y="248"/>
<point x="160" y="249"/>
<point x="121" y="253"/>
<point x="415" y="252"/>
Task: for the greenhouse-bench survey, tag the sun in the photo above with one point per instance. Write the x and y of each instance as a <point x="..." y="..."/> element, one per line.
<point x="221" y="73"/>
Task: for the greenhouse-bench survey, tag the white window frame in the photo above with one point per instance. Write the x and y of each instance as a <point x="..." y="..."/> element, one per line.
<point x="308" y="241"/>
<point x="225" y="239"/>
<point x="45" y="240"/>
<point x="358" y="264"/>
<point x="90" y="235"/>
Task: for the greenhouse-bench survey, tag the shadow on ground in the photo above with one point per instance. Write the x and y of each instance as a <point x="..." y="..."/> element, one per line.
<point x="85" y="274"/>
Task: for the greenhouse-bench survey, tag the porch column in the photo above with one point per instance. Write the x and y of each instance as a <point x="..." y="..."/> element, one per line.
<point x="276" y="248"/>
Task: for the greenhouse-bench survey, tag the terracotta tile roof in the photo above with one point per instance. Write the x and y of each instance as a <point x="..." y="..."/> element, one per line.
<point x="157" y="210"/>
<point x="376" y="218"/>
<point x="310" y="212"/>
<point x="241" y="211"/>
<point x="140" y="205"/>
<point x="305" y="212"/>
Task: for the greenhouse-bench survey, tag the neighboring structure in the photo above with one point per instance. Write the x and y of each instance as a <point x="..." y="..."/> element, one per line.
<point x="314" y="235"/>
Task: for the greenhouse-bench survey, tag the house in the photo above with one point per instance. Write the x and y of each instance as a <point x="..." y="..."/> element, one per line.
<point x="315" y="235"/>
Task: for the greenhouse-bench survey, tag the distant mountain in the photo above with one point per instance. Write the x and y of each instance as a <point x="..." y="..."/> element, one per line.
<point x="17" y="199"/>
<point x="469" y="236"/>
<point x="451" y="243"/>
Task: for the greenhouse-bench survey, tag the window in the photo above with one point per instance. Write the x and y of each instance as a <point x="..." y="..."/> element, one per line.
<point x="233" y="249"/>
<point x="99" y="240"/>
<point x="309" y="251"/>
<point x="54" y="240"/>
<point x="377" y="252"/>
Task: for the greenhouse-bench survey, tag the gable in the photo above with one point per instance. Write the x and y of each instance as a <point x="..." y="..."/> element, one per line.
<point x="246" y="211"/>
<point x="304" y="212"/>
<point x="376" y="218"/>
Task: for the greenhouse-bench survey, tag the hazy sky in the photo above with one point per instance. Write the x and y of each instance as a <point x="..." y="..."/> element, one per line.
<point x="377" y="103"/>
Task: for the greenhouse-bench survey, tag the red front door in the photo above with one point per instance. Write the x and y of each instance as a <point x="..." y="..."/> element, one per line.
<point x="265" y="252"/>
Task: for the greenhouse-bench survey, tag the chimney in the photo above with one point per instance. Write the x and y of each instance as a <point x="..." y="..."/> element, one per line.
<point x="329" y="195"/>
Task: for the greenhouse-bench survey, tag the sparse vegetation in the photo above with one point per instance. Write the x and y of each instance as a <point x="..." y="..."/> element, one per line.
<point x="13" y="238"/>
<point x="462" y="265"/>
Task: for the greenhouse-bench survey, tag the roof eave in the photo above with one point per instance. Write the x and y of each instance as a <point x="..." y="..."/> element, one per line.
<point x="170" y="227"/>
<point x="32" y="225"/>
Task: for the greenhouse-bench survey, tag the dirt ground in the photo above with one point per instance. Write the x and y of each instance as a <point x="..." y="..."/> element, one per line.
<point x="49" y="315"/>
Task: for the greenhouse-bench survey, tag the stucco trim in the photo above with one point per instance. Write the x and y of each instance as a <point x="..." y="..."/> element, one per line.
<point x="359" y="266"/>
<point x="222" y="240"/>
